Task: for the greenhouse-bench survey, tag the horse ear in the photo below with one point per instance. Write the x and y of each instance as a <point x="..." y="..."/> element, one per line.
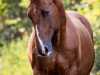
<point x="60" y="6"/>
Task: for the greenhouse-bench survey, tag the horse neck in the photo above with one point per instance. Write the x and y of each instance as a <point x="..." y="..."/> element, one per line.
<point x="59" y="37"/>
<point x="61" y="10"/>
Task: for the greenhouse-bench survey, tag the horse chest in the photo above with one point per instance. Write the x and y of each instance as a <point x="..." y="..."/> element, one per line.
<point x="45" y="65"/>
<point x="57" y="64"/>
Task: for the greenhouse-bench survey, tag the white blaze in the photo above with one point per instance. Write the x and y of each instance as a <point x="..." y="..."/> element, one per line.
<point x="40" y="41"/>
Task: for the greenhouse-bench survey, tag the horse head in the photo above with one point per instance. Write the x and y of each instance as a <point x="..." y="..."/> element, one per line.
<point x="45" y="16"/>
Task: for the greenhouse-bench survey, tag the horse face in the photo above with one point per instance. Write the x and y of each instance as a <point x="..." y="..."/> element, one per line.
<point x="45" y="18"/>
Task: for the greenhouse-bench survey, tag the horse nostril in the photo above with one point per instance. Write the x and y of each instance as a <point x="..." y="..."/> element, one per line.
<point x="46" y="49"/>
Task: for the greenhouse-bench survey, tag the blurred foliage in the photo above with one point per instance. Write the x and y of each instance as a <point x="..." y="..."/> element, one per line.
<point x="15" y="28"/>
<point x="13" y="19"/>
<point x="13" y="58"/>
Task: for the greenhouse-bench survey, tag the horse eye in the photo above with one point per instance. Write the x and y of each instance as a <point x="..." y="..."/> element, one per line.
<point x="45" y="13"/>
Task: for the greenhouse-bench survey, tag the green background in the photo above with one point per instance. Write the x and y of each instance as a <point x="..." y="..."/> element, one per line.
<point x="15" y="28"/>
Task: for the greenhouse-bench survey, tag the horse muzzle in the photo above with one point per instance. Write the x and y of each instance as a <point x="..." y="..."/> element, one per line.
<point x="44" y="45"/>
<point x="43" y="52"/>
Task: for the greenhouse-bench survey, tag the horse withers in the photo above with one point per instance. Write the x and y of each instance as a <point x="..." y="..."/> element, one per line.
<point x="61" y="42"/>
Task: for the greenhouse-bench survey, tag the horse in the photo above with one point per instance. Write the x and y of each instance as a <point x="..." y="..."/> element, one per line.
<point x="61" y="42"/>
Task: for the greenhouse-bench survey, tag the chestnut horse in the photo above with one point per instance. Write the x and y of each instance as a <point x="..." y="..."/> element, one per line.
<point x="61" y="42"/>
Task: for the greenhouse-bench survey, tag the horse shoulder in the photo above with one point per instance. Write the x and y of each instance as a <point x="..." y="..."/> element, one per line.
<point x="84" y="33"/>
<point x="71" y="31"/>
<point x="80" y="24"/>
<point x="84" y="21"/>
